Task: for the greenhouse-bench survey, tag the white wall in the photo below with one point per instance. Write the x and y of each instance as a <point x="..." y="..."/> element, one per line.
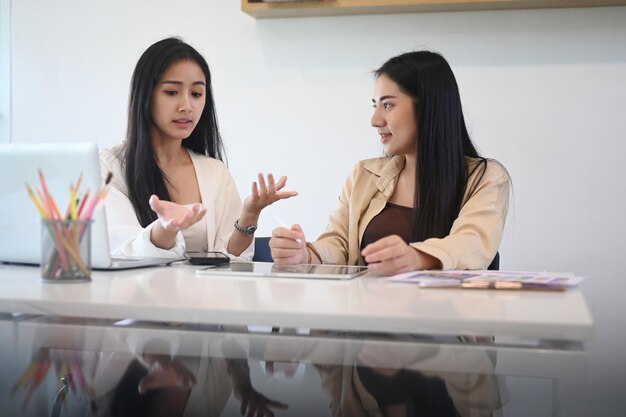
<point x="544" y="92"/>
<point x="5" y="70"/>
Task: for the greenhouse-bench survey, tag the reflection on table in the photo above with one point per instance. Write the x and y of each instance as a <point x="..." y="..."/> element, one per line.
<point x="160" y="369"/>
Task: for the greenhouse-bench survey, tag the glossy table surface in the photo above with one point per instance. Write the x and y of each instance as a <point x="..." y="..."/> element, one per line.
<point x="135" y="368"/>
<point x="367" y="304"/>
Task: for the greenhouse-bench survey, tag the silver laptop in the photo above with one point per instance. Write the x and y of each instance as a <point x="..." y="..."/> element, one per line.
<point x="20" y="224"/>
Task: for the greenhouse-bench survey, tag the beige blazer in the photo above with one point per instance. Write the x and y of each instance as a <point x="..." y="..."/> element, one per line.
<point x="475" y="234"/>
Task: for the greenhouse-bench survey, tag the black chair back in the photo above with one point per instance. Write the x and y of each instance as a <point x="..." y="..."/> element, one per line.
<point x="495" y="264"/>
<point x="262" y="251"/>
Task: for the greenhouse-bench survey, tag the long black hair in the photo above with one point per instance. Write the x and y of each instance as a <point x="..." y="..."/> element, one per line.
<point x="442" y="144"/>
<point x="143" y="175"/>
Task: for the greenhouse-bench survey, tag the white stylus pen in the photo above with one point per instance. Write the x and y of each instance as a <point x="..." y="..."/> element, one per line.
<point x="282" y="223"/>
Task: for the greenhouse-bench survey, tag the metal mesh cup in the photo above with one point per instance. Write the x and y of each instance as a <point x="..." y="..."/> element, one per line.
<point x="66" y="250"/>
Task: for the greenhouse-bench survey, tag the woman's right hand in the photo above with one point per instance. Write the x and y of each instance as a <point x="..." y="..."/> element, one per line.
<point x="175" y="217"/>
<point x="163" y="373"/>
<point x="288" y="246"/>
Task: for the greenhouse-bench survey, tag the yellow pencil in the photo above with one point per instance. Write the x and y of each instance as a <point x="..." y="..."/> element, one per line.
<point x="73" y="203"/>
<point x="35" y="202"/>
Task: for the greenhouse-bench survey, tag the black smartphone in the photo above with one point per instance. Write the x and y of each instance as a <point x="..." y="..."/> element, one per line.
<point x="207" y="258"/>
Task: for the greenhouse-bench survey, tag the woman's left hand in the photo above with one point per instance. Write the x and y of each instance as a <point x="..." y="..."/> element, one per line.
<point x="391" y="255"/>
<point x="265" y="194"/>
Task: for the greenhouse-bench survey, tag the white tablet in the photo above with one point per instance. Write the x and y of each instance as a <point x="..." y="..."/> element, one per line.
<point x="266" y="269"/>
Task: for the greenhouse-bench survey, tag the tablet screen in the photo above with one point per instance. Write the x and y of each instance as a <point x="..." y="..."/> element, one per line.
<point x="264" y="269"/>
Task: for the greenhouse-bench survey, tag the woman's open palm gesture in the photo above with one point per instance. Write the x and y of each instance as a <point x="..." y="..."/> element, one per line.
<point x="265" y="194"/>
<point x="174" y="217"/>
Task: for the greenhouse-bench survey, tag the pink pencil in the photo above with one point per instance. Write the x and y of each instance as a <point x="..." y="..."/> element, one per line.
<point x="82" y="203"/>
<point x="50" y="208"/>
<point x="101" y="196"/>
<point x="49" y="198"/>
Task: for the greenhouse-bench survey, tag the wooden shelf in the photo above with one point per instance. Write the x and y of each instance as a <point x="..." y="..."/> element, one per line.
<point x="260" y="10"/>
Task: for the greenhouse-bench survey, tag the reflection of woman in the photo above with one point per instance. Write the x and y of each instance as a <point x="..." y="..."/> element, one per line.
<point x="168" y="387"/>
<point x="170" y="190"/>
<point x="149" y="384"/>
<point x="400" y="393"/>
<point x="434" y="202"/>
<point x="418" y="378"/>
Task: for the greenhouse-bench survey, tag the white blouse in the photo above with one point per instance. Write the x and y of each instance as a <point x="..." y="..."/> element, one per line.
<point x="219" y="195"/>
<point x="196" y="237"/>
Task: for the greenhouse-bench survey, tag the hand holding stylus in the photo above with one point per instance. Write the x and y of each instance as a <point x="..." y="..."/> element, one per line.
<point x="288" y="245"/>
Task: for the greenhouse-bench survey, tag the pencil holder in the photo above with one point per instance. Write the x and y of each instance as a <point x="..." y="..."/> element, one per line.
<point x="66" y="250"/>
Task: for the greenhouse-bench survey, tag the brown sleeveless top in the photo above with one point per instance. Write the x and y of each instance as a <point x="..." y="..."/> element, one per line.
<point x="392" y="220"/>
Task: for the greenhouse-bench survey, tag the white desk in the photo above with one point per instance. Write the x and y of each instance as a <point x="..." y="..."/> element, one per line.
<point x="178" y="294"/>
